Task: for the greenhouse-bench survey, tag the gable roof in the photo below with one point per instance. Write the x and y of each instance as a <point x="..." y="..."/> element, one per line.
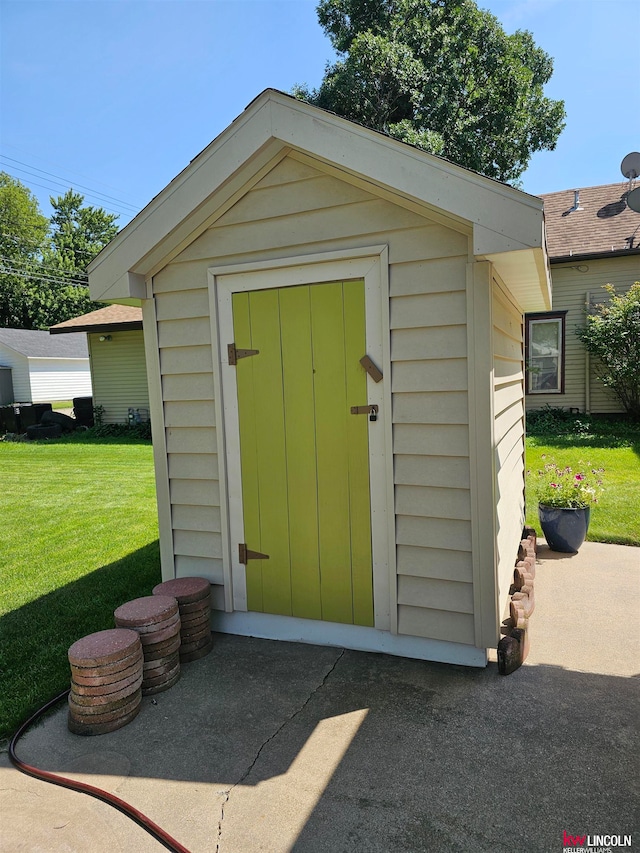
<point x="602" y="225"/>
<point x="34" y="344"/>
<point x="507" y="224"/>
<point x="109" y="319"/>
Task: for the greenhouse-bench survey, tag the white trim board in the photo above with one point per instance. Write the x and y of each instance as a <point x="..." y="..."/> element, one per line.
<point x="158" y="432"/>
<point x="508" y="225"/>
<point x="370" y="264"/>
<point x="293" y="630"/>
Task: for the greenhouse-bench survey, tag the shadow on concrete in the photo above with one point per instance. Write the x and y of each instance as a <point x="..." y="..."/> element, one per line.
<point x="429" y="757"/>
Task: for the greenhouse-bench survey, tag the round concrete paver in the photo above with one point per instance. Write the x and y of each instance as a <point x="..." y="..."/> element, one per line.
<point x="145" y="611"/>
<point x="185" y="590"/>
<point x="104" y="647"/>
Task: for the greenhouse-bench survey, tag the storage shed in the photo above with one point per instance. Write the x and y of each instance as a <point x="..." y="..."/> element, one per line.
<point x="334" y="341"/>
<point x="44" y="369"/>
<point x="116" y="353"/>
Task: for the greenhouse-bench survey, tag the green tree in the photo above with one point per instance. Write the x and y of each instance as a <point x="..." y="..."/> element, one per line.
<point x="612" y="336"/>
<point x="78" y="233"/>
<point x="43" y="263"/>
<point x="442" y="75"/>
<point x="23" y="230"/>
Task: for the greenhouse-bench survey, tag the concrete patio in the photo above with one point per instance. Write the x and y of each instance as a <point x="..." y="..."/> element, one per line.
<point x="266" y="746"/>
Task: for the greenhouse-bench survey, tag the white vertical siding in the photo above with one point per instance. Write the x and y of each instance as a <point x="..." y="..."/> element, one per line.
<point x="571" y="284"/>
<point x="20" y="378"/>
<point x="119" y="374"/>
<point x="59" y="379"/>
<point x="299" y="209"/>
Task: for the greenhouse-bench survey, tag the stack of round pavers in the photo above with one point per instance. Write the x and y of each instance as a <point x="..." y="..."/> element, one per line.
<point x="156" y="619"/>
<point x="194" y="600"/>
<point x="106" y="681"/>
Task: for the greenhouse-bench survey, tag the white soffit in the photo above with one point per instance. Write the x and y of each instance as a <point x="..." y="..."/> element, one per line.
<point x="507" y="224"/>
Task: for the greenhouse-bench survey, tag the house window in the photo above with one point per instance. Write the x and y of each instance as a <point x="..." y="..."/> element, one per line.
<point x="545" y="353"/>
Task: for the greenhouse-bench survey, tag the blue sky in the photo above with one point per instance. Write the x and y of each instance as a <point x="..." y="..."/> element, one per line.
<point x="115" y="98"/>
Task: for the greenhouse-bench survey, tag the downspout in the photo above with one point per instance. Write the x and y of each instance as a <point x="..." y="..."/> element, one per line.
<point x="587" y="369"/>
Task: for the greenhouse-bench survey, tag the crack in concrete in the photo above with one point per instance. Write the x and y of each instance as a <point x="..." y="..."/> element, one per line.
<point x="268" y="741"/>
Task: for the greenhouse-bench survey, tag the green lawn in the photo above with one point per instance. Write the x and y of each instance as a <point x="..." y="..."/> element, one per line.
<point x="605" y="443"/>
<point x="78" y="538"/>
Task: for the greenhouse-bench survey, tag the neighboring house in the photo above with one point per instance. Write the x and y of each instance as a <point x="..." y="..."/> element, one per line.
<point x="43" y="369"/>
<point x="374" y="505"/>
<point x="116" y="351"/>
<point x="593" y="239"/>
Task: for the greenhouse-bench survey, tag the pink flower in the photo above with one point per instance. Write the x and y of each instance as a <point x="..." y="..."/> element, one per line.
<point x="554" y="485"/>
<point x="579" y="477"/>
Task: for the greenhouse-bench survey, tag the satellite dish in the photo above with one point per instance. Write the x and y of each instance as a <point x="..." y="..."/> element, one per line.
<point x="633" y="200"/>
<point x="630" y="166"/>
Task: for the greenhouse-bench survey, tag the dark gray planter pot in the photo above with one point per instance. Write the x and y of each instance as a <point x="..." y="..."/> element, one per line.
<point x="564" y="528"/>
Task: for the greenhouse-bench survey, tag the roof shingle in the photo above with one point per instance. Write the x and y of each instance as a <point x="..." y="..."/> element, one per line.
<point x="112" y="317"/>
<point x="36" y="344"/>
<point x="602" y="226"/>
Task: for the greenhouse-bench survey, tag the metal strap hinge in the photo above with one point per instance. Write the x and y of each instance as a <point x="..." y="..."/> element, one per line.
<point x="235" y="354"/>
<point x="245" y="554"/>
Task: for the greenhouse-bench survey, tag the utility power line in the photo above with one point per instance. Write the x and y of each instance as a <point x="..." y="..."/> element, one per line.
<point x="24" y="263"/>
<point x="29" y="182"/>
<point x="50" y="189"/>
<point x="15" y="238"/>
<point x="65" y="182"/>
<point x="22" y="152"/>
<point x="40" y="277"/>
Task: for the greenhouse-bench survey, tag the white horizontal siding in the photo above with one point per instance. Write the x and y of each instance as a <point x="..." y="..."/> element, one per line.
<point x="200" y="567"/>
<point x="444" y="374"/>
<point x="193" y="466"/>
<point x="197" y="543"/>
<point x="444" y="563"/>
<point x="186" y="376"/>
<point x="186" y="360"/>
<point x="436" y="594"/>
<point x="508" y="407"/>
<point x="297" y="209"/>
<point x="59" y="379"/>
<point x="420" y="343"/>
<point x="119" y="374"/>
<point x="191" y="440"/>
<point x="441" y="407"/>
<point x="203" y="518"/>
<point x="433" y="502"/>
<point x="188" y="386"/>
<point x="431" y="440"/>
<point x="428" y="532"/>
<point x="436" y="624"/>
<point x="21" y="381"/>
<point x="201" y="492"/>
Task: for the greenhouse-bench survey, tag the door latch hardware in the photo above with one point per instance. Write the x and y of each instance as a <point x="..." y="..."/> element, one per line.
<point x="372" y="369"/>
<point x="371" y="410"/>
<point x="235" y="354"/>
<point x="244" y="554"/>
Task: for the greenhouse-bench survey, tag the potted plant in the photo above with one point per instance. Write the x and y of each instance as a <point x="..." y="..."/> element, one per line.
<point x="564" y="504"/>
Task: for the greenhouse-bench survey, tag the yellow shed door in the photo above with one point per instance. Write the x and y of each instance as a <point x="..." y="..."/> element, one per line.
<point x="304" y="456"/>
